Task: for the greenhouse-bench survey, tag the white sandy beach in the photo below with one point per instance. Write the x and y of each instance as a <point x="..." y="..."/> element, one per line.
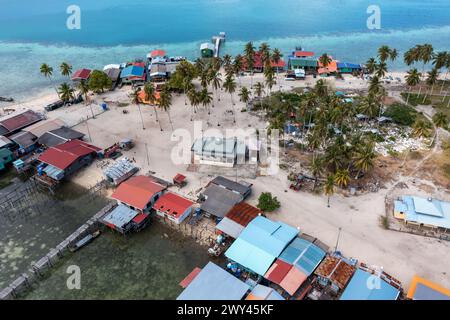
<point x="402" y="255"/>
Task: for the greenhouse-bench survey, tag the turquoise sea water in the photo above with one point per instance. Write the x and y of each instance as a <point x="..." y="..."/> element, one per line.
<point x="113" y="31"/>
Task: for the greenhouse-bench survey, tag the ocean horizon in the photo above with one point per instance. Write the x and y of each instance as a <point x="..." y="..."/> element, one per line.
<point x="117" y="31"/>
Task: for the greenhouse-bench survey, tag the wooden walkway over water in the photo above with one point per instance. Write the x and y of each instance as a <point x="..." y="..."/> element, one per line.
<point x="38" y="269"/>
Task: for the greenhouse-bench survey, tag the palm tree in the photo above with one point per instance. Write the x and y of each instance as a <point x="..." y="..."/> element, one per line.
<point x="411" y="56"/>
<point x="47" y="72"/>
<point x="329" y="188"/>
<point x="165" y="102"/>
<point x="244" y="95"/>
<point x="264" y="50"/>
<point x="149" y="90"/>
<point x="371" y="65"/>
<point x="230" y="87"/>
<point x="431" y="81"/>
<point x="442" y="60"/>
<point x="384" y="53"/>
<point x="421" y="128"/>
<point x="250" y="59"/>
<point x="206" y="98"/>
<point x="83" y="87"/>
<point x="370" y="105"/>
<point x="381" y="69"/>
<point x="325" y="60"/>
<point x="66" y="92"/>
<point x="364" y="157"/>
<point x="66" y="69"/>
<point x="216" y="81"/>
<point x="134" y="96"/>
<point x="393" y="54"/>
<point x="342" y="177"/>
<point x="194" y="98"/>
<point x="440" y="120"/>
<point x="276" y="58"/>
<point x="227" y="64"/>
<point x="259" y="91"/>
<point x="412" y="80"/>
<point x="270" y="80"/>
<point x="237" y="66"/>
<point x="316" y="169"/>
<point x="425" y="54"/>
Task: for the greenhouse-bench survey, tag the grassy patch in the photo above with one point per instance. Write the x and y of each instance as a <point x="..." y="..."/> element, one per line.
<point x="415" y="99"/>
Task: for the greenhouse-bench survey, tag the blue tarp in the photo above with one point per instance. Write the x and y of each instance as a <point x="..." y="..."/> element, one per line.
<point x="366" y="286"/>
<point x="132" y="71"/>
<point x="260" y="243"/>
<point x="214" y="283"/>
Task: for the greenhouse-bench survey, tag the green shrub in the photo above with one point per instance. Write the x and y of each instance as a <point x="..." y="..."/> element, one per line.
<point x="401" y="114"/>
<point x="267" y="202"/>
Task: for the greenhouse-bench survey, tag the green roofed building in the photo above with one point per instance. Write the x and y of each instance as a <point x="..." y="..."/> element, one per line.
<point x="304" y="63"/>
<point x="6" y="157"/>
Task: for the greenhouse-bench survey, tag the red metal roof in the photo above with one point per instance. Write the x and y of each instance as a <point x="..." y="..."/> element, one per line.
<point x="172" y="204"/>
<point x="82" y="74"/>
<point x="139" y="218"/>
<point x="137" y="191"/>
<point x="258" y="62"/>
<point x="191" y="276"/>
<point x="179" y="178"/>
<point x="64" y="155"/>
<point x="301" y="54"/>
<point x="20" y="121"/>
<point x="278" y="271"/>
<point x="243" y="213"/>
<point x="158" y="53"/>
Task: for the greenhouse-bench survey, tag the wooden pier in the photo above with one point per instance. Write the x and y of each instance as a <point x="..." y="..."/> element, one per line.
<point x="218" y="40"/>
<point x="38" y="269"/>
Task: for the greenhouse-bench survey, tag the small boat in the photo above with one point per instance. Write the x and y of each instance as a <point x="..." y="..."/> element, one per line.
<point x="86" y="240"/>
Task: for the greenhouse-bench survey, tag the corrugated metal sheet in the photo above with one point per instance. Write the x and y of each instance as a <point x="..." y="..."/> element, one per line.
<point x="214" y="283"/>
<point x="303" y="254"/>
<point x="230" y="227"/>
<point x="120" y="216"/>
<point x="366" y="286"/>
<point x="260" y="244"/>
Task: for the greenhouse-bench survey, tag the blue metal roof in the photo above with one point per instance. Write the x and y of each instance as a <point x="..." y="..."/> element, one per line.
<point x="214" y="283"/>
<point x="260" y="243"/>
<point x="430" y="212"/>
<point x="366" y="286"/>
<point x="132" y="71"/>
<point x="303" y="254"/>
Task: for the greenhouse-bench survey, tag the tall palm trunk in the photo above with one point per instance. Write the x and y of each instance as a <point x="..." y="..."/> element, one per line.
<point x="170" y="119"/>
<point x="443" y="81"/>
<point x="157" y="119"/>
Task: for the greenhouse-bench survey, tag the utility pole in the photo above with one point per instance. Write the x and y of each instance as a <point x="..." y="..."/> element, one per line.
<point x="89" y="132"/>
<point x="337" y="241"/>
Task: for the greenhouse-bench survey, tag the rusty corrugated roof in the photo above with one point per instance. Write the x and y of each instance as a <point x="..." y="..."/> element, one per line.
<point x="243" y="213"/>
<point x="335" y="269"/>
